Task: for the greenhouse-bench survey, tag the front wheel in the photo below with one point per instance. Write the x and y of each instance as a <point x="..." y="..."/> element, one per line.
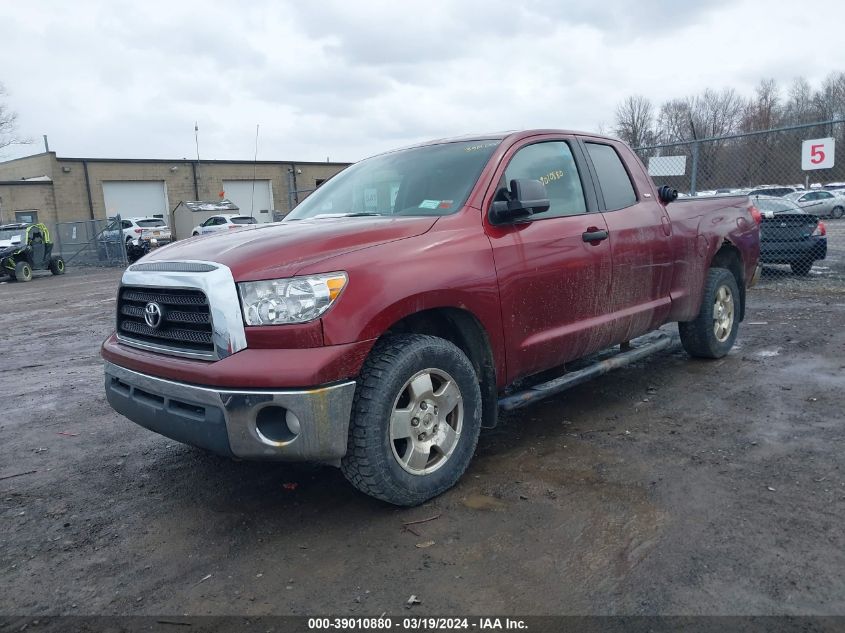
<point x="415" y="420"/>
<point x="713" y="332"/>
<point x="23" y="271"/>
<point x="57" y="266"/>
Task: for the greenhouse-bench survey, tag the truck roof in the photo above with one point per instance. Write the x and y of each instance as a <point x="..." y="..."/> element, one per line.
<point x="511" y="135"/>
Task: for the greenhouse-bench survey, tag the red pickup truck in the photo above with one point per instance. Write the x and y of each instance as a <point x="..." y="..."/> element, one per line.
<point x="378" y="325"/>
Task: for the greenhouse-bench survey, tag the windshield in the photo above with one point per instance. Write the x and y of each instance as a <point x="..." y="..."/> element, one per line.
<point x="150" y="223"/>
<point x="12" y="234"/>
<point x="430" y="180"/>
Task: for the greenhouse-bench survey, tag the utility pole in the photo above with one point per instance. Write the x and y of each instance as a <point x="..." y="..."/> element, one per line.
<point x="197" y="142"/>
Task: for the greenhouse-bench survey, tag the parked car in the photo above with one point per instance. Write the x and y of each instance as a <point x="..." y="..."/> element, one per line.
<point x="223" y="222"/>
<point x="821" y="203"/>
<point x="133" y="236"/>
<point x="133" y="229"/>
<point x="790" y="235"/>
<point x="376" y="327"/>
<point x="27" y="247"/>
<point x="771" y="191"/>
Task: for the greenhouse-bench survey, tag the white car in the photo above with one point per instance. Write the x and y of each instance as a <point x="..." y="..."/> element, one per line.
<point x="223" y="222"/>
<point x="820" y="202"/>
<point x="134" y="228"/>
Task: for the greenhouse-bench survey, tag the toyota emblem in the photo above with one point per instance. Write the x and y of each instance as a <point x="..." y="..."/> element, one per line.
<point x="153" y="314"/>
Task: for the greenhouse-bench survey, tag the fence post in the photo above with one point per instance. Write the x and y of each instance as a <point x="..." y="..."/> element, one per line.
<point x="57" y="241"/>
<point x="121" y="248"/>
<point x="291" y="187"/>
<point x="694" y="173"/>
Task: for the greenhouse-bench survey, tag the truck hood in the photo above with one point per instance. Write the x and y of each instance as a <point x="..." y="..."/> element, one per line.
<point x="281" y="249"/>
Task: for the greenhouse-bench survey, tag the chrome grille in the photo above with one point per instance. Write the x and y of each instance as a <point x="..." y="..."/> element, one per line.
<point x="185" y="324"/>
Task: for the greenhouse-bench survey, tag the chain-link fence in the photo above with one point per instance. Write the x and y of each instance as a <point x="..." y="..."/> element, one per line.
<point x="90" y="243"/>
<point x="794" y="175"/>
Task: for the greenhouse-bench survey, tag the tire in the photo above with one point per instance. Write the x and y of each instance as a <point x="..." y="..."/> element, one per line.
<point x="837" y="212"/>
<point x="57" y="266"/>
<point x="708" y="335"/>
<point x="801" y="267"/>
<point x="194" y="234"/>
<point x="410" y="468"/>
<point x="23" y="271"/>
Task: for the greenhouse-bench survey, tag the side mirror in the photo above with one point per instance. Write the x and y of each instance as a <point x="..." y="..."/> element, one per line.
<point x="666" y="194"/>
<point x="524" y="198"/>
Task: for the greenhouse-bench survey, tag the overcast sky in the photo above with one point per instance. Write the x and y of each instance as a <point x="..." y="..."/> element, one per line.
<point x="346" y="79"/>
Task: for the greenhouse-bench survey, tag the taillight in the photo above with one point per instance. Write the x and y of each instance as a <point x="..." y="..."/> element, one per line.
<point x="139" y="231"/>
<point x="233" y="226"/>
<point x="755" y="213"/>
<point x="821" y="230"/>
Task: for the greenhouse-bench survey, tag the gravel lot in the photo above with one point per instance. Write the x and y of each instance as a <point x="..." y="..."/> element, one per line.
<point x="670" y="487"/>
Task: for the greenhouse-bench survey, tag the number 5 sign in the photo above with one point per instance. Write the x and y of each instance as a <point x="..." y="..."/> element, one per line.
<point x="817" y="153"/>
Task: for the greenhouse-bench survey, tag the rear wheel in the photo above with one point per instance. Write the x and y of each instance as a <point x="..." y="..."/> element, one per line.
<point x="713" y="332"/>
<point x="194" y="234"/>
<point x="23" y="271"/>
<point x="837" y="212"/>
<point x="415" y="420"/>
<point x="57" y="266"/>
<point x="802" y="267"/>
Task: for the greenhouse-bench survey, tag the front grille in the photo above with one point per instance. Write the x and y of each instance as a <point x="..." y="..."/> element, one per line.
<point x="182" y="267"/>
<point x="185" y="318"/>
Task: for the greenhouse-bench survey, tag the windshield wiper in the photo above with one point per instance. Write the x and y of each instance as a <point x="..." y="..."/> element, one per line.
<point x="359" y="214"/>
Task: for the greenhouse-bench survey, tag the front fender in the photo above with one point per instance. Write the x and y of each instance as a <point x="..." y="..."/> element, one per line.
<point x="450" y="266"/>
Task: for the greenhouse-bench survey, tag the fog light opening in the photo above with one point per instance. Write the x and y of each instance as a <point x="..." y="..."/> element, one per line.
<point x="277" y="425"/>
<point x="293" y="423"/>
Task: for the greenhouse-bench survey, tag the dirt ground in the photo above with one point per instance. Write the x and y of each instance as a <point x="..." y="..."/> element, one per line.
<point x="671" y="487"/>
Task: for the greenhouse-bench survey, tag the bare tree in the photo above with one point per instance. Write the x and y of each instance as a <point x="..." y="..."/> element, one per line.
<point x="8" y="124"/>
<point x="799" y="105"/>
<point x="829" y="101"/>
<point x="674" y="122"/>
<point x="635" y="121"/>
<point x="741" y="160"/>
<point x="764" y="111"/>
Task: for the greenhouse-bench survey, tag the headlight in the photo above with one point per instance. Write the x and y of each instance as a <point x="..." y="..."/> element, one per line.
<point x="294" y="300"/>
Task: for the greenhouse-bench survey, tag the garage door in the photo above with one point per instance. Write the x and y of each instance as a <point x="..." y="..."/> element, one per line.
<point x="259" y="205"/>
<point x="135" y="198"/>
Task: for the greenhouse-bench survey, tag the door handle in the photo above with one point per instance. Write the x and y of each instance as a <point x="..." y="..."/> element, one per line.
<point x="594" y="235"/>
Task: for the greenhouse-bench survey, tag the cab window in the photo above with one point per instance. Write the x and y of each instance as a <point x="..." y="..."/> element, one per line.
<point x="552" y="164"/>
<point x="613" y="179"/>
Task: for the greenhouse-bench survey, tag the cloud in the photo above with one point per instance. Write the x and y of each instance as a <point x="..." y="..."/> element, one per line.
<point x="348" y="79"/>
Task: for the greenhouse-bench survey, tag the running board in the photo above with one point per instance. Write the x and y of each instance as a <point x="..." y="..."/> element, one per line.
<point x="631" y="352"/>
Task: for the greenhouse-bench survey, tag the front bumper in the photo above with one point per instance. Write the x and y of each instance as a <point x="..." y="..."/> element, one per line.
<point x="248" y="424"/>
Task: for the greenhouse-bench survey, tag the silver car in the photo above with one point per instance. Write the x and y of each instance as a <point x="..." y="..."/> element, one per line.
<point x="820" y="203"/>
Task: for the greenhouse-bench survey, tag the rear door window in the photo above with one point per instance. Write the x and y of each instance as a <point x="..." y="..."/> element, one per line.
<point x="613" y="179"/>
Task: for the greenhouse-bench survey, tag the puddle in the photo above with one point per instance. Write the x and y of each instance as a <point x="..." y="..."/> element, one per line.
<point x="483" y="502"/>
